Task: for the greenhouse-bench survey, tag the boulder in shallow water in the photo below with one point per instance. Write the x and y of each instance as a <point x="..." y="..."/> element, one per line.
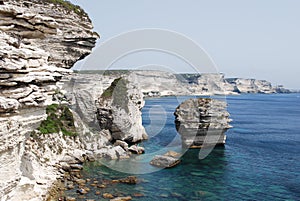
<point x="129" y="180"/>
<point x="164" y="161"/>
<point x="172" y="154"/>
<point x="107" y="196"/>
<point x="122" y="198"/>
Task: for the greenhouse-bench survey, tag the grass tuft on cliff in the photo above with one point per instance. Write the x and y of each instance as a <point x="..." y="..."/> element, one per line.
<point x="118" y="92"/>
<point x="69" y="6"/>
<point x="110" y="90"/>
<point x="59" y="118"/>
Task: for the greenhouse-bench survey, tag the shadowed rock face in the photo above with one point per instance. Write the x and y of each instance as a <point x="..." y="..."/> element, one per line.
<point x="202" y="122"/>
<point x="39" y="42"/>
<point x="119" y="110"/>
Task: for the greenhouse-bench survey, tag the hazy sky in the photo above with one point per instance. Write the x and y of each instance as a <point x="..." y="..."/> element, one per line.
<point x="246" y="38"/>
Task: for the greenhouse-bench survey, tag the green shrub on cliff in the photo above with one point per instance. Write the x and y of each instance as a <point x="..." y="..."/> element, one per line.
<point x="118" y="92"/>
<point x="59" y="118"/>
<point x="110" y="90"/>
<point x="69" y="6"/>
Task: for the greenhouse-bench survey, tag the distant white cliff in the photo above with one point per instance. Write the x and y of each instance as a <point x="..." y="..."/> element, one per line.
<point x="158" y="83"/>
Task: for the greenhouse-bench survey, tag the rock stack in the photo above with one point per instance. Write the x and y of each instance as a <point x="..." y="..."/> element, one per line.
<point x="119" y="110"/>
<point x="202" y="122"/>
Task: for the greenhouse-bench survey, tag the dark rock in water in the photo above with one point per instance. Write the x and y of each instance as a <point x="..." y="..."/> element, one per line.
<point x="107" y="196"/>
<point x="101" y="186"/>
<point x="163" y="195"/>
<point x="164" y="161"/>
<point x="202" y="122"/>
<point x="122" y="198"/>
<point x="82" y="191"/>
<point x="177" y="195"/>
<point x="138" y="195"/>
<point x="129" y="180"/>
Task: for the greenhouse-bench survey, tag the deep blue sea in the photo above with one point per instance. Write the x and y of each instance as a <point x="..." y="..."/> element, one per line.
<point x="260" y="161"/>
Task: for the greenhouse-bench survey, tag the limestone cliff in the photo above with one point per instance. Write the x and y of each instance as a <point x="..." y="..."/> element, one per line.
<point x="39" y="42"/>
<point x="119" y="110"/>
<point x="251" y="86"/>
<point x="158" y="83"/>
<point x="202" y="122"/>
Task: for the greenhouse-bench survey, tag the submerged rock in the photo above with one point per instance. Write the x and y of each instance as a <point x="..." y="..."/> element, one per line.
<point x="122" y="198"/>
<point x="172" y="154"/>
<point x="82" y="191"/>
<point x="107" y="196"/>
<point x="129" y="180"/>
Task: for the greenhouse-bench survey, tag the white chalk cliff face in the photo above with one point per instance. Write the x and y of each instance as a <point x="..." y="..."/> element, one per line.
<point x="39" y="42"/>
<point x="119" y="110"/>
<point x="158" y="83"/>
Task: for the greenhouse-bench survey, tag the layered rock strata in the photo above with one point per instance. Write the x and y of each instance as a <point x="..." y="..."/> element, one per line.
<point x="158" y="83"/>
<point x="39" y="42"/>
<point x="202" y="122"/>
<point x="251" y="86"/>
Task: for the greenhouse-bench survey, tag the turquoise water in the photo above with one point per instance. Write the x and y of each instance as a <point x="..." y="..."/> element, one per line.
<point x="260" y="160"/>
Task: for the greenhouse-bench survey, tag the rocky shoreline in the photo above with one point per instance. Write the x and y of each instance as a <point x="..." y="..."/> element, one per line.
<point x="95" y="116"/>
<point x="72" y="179"/>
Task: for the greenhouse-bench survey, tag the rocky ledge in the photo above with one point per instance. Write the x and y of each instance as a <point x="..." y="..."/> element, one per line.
<point x="39" y="40"/>
<point x="202" y="122"/>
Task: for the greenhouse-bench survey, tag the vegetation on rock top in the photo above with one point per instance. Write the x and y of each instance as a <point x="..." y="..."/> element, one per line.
<point x="59" y="118"/>
<point x="69" y="6"/>
<point x="110" y="90"/>
<point x="118" y="92"/>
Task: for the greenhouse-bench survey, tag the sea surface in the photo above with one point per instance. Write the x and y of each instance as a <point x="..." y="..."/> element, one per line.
<point x="260" y="161"/>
